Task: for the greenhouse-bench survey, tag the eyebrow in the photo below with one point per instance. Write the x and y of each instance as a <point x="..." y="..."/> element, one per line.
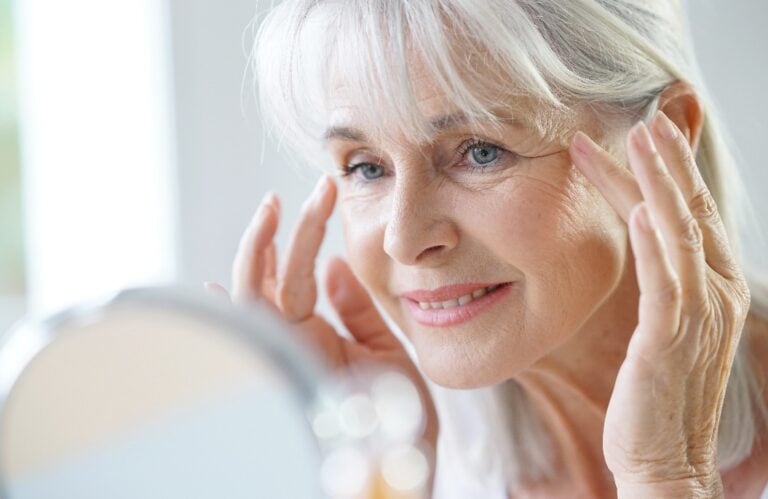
<point x="439" y="124"/>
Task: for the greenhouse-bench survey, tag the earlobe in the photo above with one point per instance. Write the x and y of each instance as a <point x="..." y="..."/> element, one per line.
<point x="680" y="102"/>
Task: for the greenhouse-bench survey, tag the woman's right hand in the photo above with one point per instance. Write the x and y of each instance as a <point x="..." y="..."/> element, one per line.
<point x="290" y="287"/>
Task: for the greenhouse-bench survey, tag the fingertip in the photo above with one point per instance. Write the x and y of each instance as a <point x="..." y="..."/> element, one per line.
<point x="340" y="279"/>
<point x="642" y="139"/>
<point x="276" y="203"/>
<point x="327" y="199"/>
<point x="271" y="199"/>
<point x="336" y="287"/>
<point x="581" y="145"/>
<point x="664" y="127"/>
<point x="267" y="205"/>
<point x="215" y="288"/>
<point x="331" y="181"/>
<point x="335" y="266"/>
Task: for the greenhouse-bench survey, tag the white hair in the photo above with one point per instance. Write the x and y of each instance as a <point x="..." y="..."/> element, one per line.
<point x="614" y="56"/>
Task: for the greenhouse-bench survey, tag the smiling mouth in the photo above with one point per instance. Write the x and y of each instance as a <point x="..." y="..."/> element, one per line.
<point x="455" y="311"/>
<point x="461" y="300"/>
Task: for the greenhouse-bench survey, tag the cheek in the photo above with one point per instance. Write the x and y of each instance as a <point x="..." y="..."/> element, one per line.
<point x="363" y="240"/>
<point x="572" y="246"/>
<point x="563" y="241"/>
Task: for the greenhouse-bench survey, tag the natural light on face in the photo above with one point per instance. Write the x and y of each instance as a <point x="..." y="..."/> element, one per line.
<point x="500" y="209"/>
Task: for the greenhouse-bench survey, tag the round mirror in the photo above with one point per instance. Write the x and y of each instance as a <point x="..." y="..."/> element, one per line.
<point x="157" y="394"/>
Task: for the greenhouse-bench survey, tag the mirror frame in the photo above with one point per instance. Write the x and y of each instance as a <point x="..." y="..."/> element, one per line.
<point x="255" y="326"/>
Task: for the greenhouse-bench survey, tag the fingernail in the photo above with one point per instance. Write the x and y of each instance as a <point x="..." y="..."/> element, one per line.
<point x="269" y="198"/>
<point x="642" y="137"/>
<point x="340" y="291"/>
<point x="320" y="188"/>
<point x="265" y="200"/>
<point x="583" y="145"/>
<point x="664" y="126"/>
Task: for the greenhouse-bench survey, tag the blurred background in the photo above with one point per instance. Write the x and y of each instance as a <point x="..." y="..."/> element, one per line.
<point x="131" y="152"/>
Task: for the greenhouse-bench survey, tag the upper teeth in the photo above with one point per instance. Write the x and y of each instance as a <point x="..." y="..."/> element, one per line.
<point x="461" y="300"/>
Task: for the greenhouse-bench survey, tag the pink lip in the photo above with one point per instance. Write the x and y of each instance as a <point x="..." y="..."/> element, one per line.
<point x="452" y="292"/>
<point x="456" y="315"/>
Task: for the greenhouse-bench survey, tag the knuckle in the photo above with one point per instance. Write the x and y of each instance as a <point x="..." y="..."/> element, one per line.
<point x="691" y="239"/>
<point x="695" y="303"/>
<point x="295" y="303"/>
<point x="743" y="296"/>
<point x="703" y="205"/>
<point x="284" y="300"/>
<point x="686" y="154"/>
<point x="668" y="294"/>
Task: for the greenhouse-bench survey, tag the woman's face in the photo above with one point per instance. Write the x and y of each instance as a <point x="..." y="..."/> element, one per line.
<point x="442" y="221"/>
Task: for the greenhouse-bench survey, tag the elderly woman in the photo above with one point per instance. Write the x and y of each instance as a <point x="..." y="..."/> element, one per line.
<point x="537" y="194"/>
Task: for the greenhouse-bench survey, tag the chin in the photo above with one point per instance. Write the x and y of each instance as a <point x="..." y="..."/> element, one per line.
<point x="458" y="372"/>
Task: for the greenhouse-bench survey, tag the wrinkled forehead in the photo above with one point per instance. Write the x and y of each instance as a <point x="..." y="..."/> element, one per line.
<point x="432" y="109"/>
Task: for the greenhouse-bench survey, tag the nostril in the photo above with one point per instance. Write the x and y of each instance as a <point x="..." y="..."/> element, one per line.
<point x="433" y="250"/>
<point x="413" y="240"/>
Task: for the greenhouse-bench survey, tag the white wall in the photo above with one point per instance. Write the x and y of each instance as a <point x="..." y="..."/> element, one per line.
<point x="731" y="40"/>
<point x="222" y="174"/>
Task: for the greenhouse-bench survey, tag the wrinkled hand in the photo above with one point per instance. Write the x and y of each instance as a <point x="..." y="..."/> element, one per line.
<point x="290" y="288"/>
<point x="660" y="433"/>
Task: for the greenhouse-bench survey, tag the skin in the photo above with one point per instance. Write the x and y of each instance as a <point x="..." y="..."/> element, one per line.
<point x="621" y="269"/>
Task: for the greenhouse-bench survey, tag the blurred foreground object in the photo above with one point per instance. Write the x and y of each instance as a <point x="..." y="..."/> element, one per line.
<point x="161" y="394"/>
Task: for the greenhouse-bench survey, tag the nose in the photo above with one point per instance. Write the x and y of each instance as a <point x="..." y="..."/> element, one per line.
<point x="419" y="230"/>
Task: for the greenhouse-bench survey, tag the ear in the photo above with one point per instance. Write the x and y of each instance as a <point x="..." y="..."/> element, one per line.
<point x="680" y="102"/>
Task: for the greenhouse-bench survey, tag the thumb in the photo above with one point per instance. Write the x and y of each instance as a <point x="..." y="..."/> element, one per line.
<point x="355" y="307"/>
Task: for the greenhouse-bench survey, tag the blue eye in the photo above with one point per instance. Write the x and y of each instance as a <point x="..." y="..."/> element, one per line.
<point x="369" y="171"/>
<point x="484" y="154"/>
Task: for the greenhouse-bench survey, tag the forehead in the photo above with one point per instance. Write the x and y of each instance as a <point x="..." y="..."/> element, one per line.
<point x="347" y="120"/>
<point x="409" y="100"/>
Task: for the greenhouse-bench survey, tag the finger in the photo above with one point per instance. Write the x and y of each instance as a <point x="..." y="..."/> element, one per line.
<point x="679" y="158"/>
<point x="356" y="308"/>
<point x="664" y="200"/>
<point x="270" y="272"/>
<point x="660" y="290"/>
<point x="270" y="263"/>
<point x="614" y="181"/>
<point x="296" y="292"/>
<point x="216" y="289"/>
<point x="249" y="267"/>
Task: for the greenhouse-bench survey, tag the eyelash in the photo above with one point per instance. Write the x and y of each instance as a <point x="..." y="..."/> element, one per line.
<point x="464" y="149"/>
<point x="473" y="143"/>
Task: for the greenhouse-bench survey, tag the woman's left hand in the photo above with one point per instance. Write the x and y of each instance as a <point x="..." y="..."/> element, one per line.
<point x="660" y="433"/>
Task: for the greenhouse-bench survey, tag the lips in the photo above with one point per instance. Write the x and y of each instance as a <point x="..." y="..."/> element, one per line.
<point x="445" y="293"/>
<point x="452" y="305"/>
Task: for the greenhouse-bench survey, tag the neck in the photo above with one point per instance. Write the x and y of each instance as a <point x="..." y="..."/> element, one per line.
<point x="570" y="389"/>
